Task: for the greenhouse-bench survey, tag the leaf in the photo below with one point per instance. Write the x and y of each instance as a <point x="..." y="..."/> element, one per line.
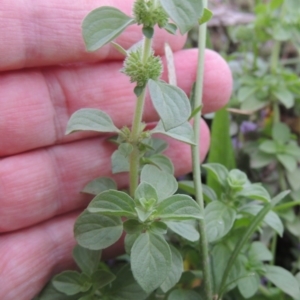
<point x="270" y="219"/>
<point x="113" y="203"/>
<point x="219" y="172"/>
<point x="219" y="219"/>
<point x="71" y="282"/>
<point x="146" y="191"/>
<point x="96" y="232"/>
<point x="86" y="259"/>
<point x="259" y="252"/>
<point x="91" y="119"/>
<point x="279" y="197"/>
<point x="157" y="146"/>
<point x="171" y="28"/>
<point x="164" y="183"/>
<point x="99" y="185"/>
<point x="148" y="32"/>
<point x="129" y="241"/>
<point x="175" y="272"/>
<point x="49" y="293"/>
<point x="294" y="179"/>
<point x="150" y="261"/>
<point x="186" y="229"/>
<point x="253" y="104"/>
<point x="185" y="14"/>
<point x="260" y="159"/>
<point x="206" y="16"/>
<point x="158" y="227"/>
<point x="245" y="92"/>
<point x="254" y="191"/>
<point x="132" y="226"/>
<point x="119" y="48"/>
<point x="170" y="102"/>
<point x="284" y="280"/>
<point x="184" y="295"/>
<point x="183" y="132"/>
<point x="103" y="25"/>
<point x="248" y="285"/>
<point x="120" y="158"/>
<point x="125" y="287"/>
<point x="284" y="96"/>
<point x="268" y="147"/>
<point x="162" y="162"/>
<point x="289" y="162"/>
<point x="281" y="133"/>
<point x="178" y="207"/>
<point x="101" y="278"/>
<point x="292" y="150"/>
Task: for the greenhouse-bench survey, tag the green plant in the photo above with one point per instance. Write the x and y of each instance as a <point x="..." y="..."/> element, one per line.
<point x="164" y="229"/>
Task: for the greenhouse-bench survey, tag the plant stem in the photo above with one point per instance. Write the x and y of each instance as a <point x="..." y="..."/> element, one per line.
<point x="134" y="159"/>
<point x="196" y="162"/>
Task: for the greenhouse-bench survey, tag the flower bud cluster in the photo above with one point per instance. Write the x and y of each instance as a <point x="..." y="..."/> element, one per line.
<point x="148" y="13"/>
<point x="141" y="71"/>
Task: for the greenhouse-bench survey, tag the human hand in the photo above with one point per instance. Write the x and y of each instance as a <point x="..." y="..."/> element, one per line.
<point x="46" y="75"/>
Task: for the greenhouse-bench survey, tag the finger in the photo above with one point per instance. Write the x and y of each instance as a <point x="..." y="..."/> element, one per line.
<point x="43" y="33"/>
<point x="30" y="257"/>
<point x="39" y="103"/>
<point x="41" y="184"/>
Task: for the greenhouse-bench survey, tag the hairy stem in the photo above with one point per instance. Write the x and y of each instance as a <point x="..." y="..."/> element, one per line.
<point x="134" y="159"/>
<point x="196" y="163"/>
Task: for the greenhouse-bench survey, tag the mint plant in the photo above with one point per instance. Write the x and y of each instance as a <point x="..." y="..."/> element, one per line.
<point x="166" y="230"/>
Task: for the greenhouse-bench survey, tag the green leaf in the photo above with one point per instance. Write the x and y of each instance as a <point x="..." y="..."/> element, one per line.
<point x="86" y="259"/>
<point x="248" y="285"/>
<point x="259" y="252"/>
<point x="91" y="119"/>
<point x="260" y="159"/>
<point x="284" y="280"/>
<point x="151" y="260"/>
<point x="119" y="48"/>
<point x="120" y="158"/>
<point x="292" y="150"/>
<point x="132" y="226"/>
<point x="96" y="232"/>
<point x="183" y="132"/>
<point x="164" y="183"/>
<point x="129" y="241"/>
<point x="206" y="16"/>
<point x="158" y="228"/>
<point x="113" y="203"/>
<point x="294" y="179"/>
<point x="49" y="292"/>
<point x="245" y="92"/>
<point x="274" y="4"/>
<point x="102" y="278"/>
<point x="185" y="14"/>
<point x="99" y="185"/>
<point x="175" y="272"/>
<point x="219" y="219"/>
<point x="289" y="162"/>
<point x="178" y="207"/>
<point x="268" y="147"/>
<point x="254" y="191"/>
<point x="186" y="229"/>
<point x="71" y="282"/>
<point x="160" y="161"/>
<point x="125" y="287"/>
<point x="218" y="171"/>
<point x="171" y="103"/>
<point x="271" y="218"/>
<point x="171" y="28"/>
<point x="156" y="146"/>
<point x="103" y="25"/>
<point x="279" y="197"/>
<point x="184" y="295"/>
<point x="148" y="32"/>
<point x="146" y="191"/>
<point x="285" y="97"/>
<point x="253" y="104"/>
<point x="281" y="133"/>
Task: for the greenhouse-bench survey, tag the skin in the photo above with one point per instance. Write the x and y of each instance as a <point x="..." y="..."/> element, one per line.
<point x="45" y="76"/>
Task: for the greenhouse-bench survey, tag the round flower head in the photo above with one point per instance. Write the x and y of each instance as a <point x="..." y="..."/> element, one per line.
<point x="148" y="14"/>
<point x="141" y="71"/>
